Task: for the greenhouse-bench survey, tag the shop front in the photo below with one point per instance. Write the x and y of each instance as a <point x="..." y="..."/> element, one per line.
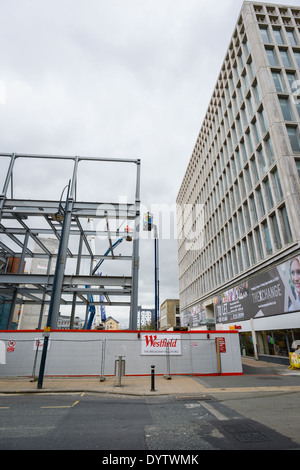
<point x="275" y="343"/>
<point x="266" y="310"/>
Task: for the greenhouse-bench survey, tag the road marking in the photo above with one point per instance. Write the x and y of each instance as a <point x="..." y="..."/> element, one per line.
<point x="4" y="407"/>
<point x="214" y="412"/>
<point x="280" y="388"/>
<point x="61" y="406"/>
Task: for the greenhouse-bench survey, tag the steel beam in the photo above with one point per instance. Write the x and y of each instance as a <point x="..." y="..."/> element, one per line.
<point x="83" y="280"/>
<point x="22" y="221"/>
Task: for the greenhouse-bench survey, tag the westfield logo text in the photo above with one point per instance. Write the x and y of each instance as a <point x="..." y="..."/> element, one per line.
<point x="152" y="341"/>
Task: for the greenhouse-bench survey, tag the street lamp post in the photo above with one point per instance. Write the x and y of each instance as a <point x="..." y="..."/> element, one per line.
<point x="156" y="275"/>
<point x="148" y="225"/>
<point x="55" y="295"/>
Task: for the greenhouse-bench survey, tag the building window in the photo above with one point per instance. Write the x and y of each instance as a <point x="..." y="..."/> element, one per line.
<point x="256" y="93"/>
<point x="269" y="197"/>
<point x="279" y="86"/>
<point x="267" y="237"/>
<point x="262" y="120"/>
<point x="243" y="186"/>
<point x="276" y="232"/>
<point x="286" y="109"/>
<point x="291" y="37"/>
<point x="248" y="178"/>
<point x="234" y="261"/>
<point x="277" y="185"/>
<point x="240" y="257"/>
<point x="241" y="221"/>
<point x="285" y="57"/>
<point x="230" y="233"/>
<point x="253" y="209"/>
<point x="246" y="253"/>
<point x="241" y="60"/>
<point x="278" y="35"/>
<point x="250" y="104"/>
<point x="265" y="34"/>
<point x="237" y="193"/>
<point x="260" y="202"/>
<point x="298" y="106"/>
<point x="244" y="116"/>
<point x="271" y="56"/>
<point x="246" y="81"/>
<point x="239" y="126"/>
<point x="297" y="57"/>
<point x="251" y="68"/>
<point x="244" y="154"/>
<point x="250" y="143"/>
<point x="287" y="233"/>
<point x="269" y="149"/>
<point x="291" y="80"/>
<point x="261" y="160"/>
<point x="246" y="47"/>
<point x="293" y="133"/>
<point x="255" y="131"/>
<point x="247" y="216"/>
<point x="298" y="167"/>
<point x="236" y="227"/>
<point x="254" y="170"/>
<point x="230" y="265"/>
<point x="252" y="248"/>
<point x="259" y="243"/>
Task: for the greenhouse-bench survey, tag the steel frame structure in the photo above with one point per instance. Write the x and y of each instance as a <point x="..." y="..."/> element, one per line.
<point x="63" y="288"/>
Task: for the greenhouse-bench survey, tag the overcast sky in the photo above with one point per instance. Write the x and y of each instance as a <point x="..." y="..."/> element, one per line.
<point x="113" y="78"/>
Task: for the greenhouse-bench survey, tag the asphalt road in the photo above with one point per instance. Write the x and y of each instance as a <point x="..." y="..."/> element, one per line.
<point x="149" y="426"/>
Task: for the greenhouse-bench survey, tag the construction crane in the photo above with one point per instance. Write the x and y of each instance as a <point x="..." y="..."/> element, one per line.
<point x="114" y="245"/>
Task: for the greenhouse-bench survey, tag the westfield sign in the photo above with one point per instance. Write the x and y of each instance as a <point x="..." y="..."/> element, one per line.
<point x="160" y="344"/>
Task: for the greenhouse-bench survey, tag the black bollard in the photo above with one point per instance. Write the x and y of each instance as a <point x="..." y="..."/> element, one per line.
<point x="152" y="379"/>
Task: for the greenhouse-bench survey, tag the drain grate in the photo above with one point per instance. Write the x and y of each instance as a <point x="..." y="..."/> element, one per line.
<point x="192" y="397"/>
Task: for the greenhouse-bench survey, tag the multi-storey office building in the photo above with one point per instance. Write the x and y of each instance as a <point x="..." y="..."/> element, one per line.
<point x="169" y="314"/>
<point x="239" y="201"/>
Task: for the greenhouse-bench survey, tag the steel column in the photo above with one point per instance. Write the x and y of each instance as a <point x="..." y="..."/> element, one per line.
<point x="135" y="256"/>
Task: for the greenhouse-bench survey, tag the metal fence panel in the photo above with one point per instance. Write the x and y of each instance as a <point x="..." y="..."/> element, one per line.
<point x="94" y="353"/>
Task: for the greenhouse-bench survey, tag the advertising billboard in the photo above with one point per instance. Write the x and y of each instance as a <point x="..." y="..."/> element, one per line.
<point x="273" y="292"/>
<point x="154" y="344"/>
<point x="193" y="316"/>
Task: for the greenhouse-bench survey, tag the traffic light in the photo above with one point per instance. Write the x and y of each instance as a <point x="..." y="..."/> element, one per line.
<point x="148" y="222"/>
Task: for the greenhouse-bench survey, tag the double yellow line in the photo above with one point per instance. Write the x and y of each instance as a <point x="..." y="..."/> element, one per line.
<point x="64" y="406"/>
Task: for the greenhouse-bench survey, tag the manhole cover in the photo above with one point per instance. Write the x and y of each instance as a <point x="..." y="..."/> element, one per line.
<point x="245" y="433"/>
<point x="272" y="377"/>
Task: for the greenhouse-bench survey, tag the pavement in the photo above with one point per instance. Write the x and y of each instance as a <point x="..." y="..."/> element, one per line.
<point x="258" y="376"/>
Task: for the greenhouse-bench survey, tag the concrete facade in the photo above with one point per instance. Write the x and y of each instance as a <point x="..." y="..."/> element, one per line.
<point x="238" y="204"/>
